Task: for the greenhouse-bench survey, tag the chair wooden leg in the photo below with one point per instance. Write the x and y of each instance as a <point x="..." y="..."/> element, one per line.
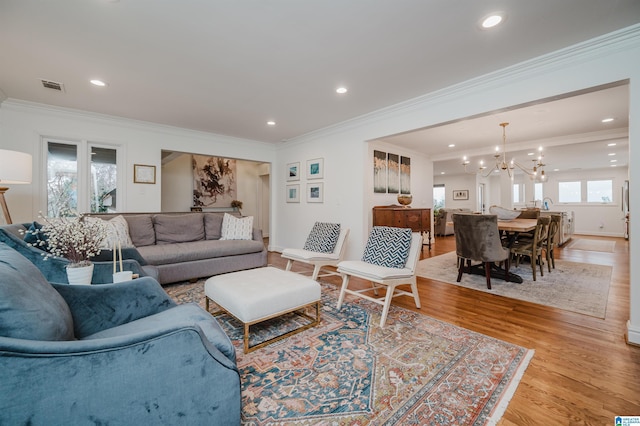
<point x="460" y="268"/>
<point x="414" y="290"/>
<point x="345" y="284"/>
<point x="289" y="263"/>
<point x="316" y="272"/>
<point x="387" y="304"/>
<point x="541" y="265"/>
<point x="548" y="253"/>
<point x="553" y="260"/>
<point x="533" y="267"/>
<point x="487" y="273"/>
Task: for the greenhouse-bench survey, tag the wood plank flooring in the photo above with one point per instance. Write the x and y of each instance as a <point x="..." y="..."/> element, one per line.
<point x="582" y="373"/>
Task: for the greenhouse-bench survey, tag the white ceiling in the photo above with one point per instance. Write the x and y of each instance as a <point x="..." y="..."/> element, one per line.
<point x="229" y="66"/>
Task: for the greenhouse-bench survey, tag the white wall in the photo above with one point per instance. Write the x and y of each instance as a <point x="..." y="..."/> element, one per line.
<point x="25" y="124"/>
<point x="611" y="58"/>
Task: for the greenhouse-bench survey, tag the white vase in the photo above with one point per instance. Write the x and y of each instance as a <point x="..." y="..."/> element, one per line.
<point x="80" y="275"/>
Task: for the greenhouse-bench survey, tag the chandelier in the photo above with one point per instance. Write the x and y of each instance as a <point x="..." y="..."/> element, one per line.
<point x="536" y="172"/>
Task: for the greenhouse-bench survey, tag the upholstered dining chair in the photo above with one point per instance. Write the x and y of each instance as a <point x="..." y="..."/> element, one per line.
<point x="478" y="240"/>
<point x="325" y="246"/>
<point x="533" y="247"/>
<point x="389" y="260"/>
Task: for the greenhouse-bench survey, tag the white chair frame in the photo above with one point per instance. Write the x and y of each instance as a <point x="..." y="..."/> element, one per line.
<point x="381" y="276"/>
<point x="319" y="260"/>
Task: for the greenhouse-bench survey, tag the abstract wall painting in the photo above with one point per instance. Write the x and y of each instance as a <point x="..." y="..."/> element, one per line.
<point x="379" y="172"/>
<point x="393" y="165"/>
<point x="214" y="181"/>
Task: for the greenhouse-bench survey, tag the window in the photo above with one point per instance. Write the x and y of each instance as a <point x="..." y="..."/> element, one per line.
<point x="600" y="191"/>
<point x="570" y="192"/>
<point x="518" y="193"/>
<point x="537" y="190"/>
<point x="78" y="182"/>
<point x="438" y="196"/>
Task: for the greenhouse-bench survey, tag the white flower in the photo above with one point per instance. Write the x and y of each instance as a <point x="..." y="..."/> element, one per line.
<point x="76" y="238"/>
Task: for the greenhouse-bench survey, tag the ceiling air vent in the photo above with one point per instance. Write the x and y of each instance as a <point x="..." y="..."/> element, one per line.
<point x="53" y="85"/>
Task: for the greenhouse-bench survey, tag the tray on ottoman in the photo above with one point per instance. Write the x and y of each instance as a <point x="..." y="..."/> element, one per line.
<point x="256" y="295"/>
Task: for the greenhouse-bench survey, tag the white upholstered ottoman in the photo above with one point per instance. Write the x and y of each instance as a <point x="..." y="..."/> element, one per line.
<point x="256" y="295"/>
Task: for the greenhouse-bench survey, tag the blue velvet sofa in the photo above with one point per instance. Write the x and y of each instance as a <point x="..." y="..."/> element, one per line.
<point x="54" y="269"/>
<point x="109" y="354"/>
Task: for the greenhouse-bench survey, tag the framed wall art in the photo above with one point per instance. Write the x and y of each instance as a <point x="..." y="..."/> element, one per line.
<point x="293" y="193"/>
<point x="379" y="172"/>
<point x="315" y="168"/>
<point x="293" y="171"/>
<point x="144" y="174"/>
<point x="460" y="194"/>
<point x="315" y="192"/>
<point x="393" y="170"/>
<point x="214" y="181"/>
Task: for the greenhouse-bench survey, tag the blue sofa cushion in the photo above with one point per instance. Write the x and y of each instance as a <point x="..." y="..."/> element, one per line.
<point x="36" y="237"/>
<point x="29" y="307"/>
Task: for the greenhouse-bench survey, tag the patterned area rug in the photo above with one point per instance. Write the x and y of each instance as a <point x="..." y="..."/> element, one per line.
<point x="592" y="245"/>
<point x="349" y="371"/>
<point x="572" y="286"/>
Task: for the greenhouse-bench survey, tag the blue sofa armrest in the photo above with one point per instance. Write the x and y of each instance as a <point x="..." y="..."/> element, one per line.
<point x="96" y="308"/>
<point x="169" y="375"/>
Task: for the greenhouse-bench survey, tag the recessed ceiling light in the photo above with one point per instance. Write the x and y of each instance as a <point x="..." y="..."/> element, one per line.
<point x="607" y="120"/>
<point x="492" y="20"/>
<point x="530" y="153"/>
<point x="556" y="170"/>
<point x="612" y="154"/>
<point x="614" y="165"/>
<point x="452" y="145"/>
<point x="611" y="144"/>
<point x="441" y="173"/>
<point x="341" y="90"/>
<point x="99" y="83"/>
<point x="271" y="123"/>
<point x="613" y="161"/>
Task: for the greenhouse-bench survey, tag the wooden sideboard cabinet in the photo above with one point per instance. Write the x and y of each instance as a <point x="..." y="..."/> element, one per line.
<point x="419" y="220"/>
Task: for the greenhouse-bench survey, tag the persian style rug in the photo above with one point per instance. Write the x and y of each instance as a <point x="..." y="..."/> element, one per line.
<point x="349" y="371"/>
<point x="592" y="245"/>
<point x="571" y="286"/>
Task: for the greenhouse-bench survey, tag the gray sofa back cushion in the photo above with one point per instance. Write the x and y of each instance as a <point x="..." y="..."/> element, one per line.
<point x="178" y="228"/>
<point x="30" y="308"/>
<point x="141" y="230"/>
<point x="213" y="226"/>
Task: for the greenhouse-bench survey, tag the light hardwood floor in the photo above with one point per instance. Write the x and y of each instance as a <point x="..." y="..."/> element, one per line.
<point x="582" y="373"/>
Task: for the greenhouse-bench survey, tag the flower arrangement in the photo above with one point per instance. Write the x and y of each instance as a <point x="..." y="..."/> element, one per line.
<point x="237" y="205"/>
<point x="76" y="239"/>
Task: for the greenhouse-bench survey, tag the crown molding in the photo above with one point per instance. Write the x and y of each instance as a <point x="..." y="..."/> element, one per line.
<point x="604" y="45"/>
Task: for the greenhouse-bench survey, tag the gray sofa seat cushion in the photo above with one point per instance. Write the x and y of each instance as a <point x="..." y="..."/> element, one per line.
<point x="141" y="230"/>
<point x="29" y="307"/>
<point x="178" y="228"/>
<point x="198" y="250"/>
<point x="189" y="312"/>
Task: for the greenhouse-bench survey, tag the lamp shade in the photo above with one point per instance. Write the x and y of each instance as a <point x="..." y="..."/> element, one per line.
<point x="15" y="167"/>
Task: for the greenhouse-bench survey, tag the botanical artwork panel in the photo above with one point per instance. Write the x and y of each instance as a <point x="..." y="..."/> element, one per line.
<point x="379" y="172"/>
<point x="405" y="175"/>
<point x="393" y="163"/>
<point x="214" y="181"/>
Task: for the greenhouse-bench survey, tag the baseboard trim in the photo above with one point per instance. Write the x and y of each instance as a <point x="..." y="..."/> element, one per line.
<point x="633" y="335"/>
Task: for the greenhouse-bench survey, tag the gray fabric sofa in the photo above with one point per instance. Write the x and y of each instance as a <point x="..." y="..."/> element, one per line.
<point x="109" y="354"/>
<point x="186" y="246"/>
<point x="440" y="227"/>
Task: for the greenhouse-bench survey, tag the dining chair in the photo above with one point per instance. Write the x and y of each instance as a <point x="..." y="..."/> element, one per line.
<point x="533" y="247"/>
<point x="390" y="259"/>
<point x="325" y="246"/>
<point x="478" y="240"/>
<point x="551" y="242"/>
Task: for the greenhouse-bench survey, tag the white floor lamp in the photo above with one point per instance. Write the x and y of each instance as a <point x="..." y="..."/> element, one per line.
<point x="15" y="168"/>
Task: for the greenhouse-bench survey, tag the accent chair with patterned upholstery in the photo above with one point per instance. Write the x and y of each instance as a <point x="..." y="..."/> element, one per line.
<point x="325" y="246"/>
<point x="389" y="260"/>
<point x="478" y="239"/>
